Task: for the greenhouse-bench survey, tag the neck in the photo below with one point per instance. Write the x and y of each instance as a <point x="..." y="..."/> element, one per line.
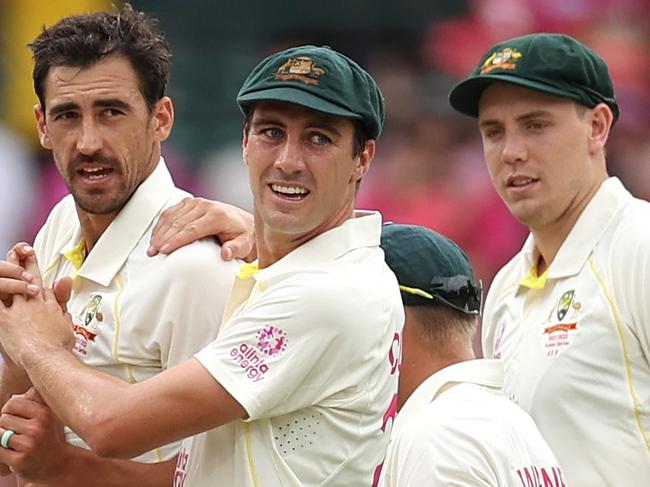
<point x="273" y="245"/>
<point x="549" y="238"/>
<point x="421" y="363"/>
<point x="93" y="226"/>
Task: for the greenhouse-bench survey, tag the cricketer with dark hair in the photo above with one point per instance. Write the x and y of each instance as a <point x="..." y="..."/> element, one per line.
<point x="103" y="113"/>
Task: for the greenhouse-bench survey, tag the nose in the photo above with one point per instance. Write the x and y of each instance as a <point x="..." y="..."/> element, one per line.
<point x="89" y="140"/>
<point x="290" y="156"/>
<point x="514" y="149"/>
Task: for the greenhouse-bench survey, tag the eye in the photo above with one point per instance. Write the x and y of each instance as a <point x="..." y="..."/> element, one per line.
<point x="66" y="116"/>
<point x="320" y="139"/>
<point x="535" y="125"/>
<point x="112" y="112"/>
<point x="492" y="133"/>
<point x="272" y="132"/>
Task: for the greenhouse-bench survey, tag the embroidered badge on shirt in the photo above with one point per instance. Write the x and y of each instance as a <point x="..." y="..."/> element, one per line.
<point x="90" y="318"/>
<point x="557" y="336"/>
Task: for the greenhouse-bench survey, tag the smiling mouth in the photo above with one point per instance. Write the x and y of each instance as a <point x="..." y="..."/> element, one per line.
<point x="295" y="193"/>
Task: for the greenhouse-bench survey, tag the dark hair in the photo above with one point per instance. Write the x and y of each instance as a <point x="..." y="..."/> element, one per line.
<point x="83" y="40"/>
<point x="438" y="324"/>
<point x="361" y="136"/>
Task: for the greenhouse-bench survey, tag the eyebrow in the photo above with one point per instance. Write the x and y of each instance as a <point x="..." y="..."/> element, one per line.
<point x="103" y="103"/>
<point x="519" y="118"/>
<point x="320" y="122"/>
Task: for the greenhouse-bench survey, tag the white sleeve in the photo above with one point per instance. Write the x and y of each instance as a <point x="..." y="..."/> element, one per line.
<point x="299" y="343"/>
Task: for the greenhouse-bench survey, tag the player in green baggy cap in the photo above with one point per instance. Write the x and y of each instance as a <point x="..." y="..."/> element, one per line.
<point x="568" y="315"/>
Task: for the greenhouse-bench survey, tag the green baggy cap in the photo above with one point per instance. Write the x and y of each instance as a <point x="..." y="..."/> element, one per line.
<point x="318" y="78"/>
<point x="552" y="63"/>
<point x="430" y="268"/>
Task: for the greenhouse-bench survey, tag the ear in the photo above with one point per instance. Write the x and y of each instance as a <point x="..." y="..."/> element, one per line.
<point x="601" y="120"/>
<point x="244" y="145"/>
<point x="363" y="161"/>
<point x="163" y="118"/>
<point x="41" y="127"/>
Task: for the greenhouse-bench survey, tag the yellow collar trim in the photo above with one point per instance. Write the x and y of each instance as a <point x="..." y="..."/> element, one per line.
<point x="77" y="255"/>
<point x="248" y="270"/>
<point x="532" y="280"/>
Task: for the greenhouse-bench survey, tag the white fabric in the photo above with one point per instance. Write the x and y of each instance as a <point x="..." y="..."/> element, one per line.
<point x="576" y="349"/>
<point x="312" y="355"/>
<point x="154" y="312"/>
<point x="458" y="429"/>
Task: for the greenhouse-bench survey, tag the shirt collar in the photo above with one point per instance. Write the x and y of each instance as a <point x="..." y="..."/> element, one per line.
<point x="363" y="230"/>
<point x="484" y="372"/>
<point x="582" y="238"/>
<point x="116" y="243"/>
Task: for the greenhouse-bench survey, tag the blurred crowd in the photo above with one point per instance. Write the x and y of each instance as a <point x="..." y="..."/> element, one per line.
<point x="430" y="168"/>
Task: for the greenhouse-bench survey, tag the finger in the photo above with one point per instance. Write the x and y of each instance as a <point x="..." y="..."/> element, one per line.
<point x="163" y="227"/>
<point x="11" y="268"/>
<point x="33" y="395"/>
<point x="184" y="230"/>
<point x="62" y="292"/>
<point x="11" y="287"/>
<point x="19" y="405"/>
<point x="24" y="250"/>
<point x="241" y="247"/>
<point x="30" y="263"/>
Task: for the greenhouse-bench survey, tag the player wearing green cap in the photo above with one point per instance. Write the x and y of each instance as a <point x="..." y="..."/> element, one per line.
<point x="454" y="426"/>
<point x="299" y="388"/>
<point x="569" y="315"/>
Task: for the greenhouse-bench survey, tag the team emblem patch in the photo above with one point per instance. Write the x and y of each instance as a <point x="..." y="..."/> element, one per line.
<point x="301" y="68"/>
<point x="91" y="318"/>
<point x="564" y="304"/>
<point x="271" y="340"/>
<point x="506" y="58"/>
<point x="559" y="334"/>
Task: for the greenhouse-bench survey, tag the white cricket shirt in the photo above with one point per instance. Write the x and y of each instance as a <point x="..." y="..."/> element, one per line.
<point x="458" y="429"/>
<point x="575" y="341"/>
<point x="135" y="315"/>
<point x="310" y="348"/>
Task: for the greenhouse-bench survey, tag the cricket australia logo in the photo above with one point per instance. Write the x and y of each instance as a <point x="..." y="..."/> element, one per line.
<point x="87" y="323"/>
<point x="558" y="335"/>
<point x="271" y="340"/>
<point x="564" y="304"/>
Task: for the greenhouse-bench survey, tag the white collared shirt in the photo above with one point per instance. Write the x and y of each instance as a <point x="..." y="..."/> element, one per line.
<point x="575" y="341"/>
<point x="310" y="348"/>
<point x="457" y="429"/>
<point x="135" y="315"/>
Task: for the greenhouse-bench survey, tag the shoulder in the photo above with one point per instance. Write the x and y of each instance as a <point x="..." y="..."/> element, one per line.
<point x="200" y="260"/>
<point x="59" y="227"/>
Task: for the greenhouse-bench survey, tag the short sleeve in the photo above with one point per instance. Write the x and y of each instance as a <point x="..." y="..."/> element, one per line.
<point x="298" y="343"/>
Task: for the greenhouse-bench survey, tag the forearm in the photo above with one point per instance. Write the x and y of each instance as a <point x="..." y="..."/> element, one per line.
<point x="86" y="468"/>
<point x="13" y="380"/>
<point x="80" y="396"/>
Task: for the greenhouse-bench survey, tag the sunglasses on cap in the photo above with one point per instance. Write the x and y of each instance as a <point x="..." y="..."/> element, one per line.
<point x="457" y="292"/>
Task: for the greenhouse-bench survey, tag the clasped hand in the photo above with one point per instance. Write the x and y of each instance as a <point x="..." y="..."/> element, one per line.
<point x="32" y="319"/>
